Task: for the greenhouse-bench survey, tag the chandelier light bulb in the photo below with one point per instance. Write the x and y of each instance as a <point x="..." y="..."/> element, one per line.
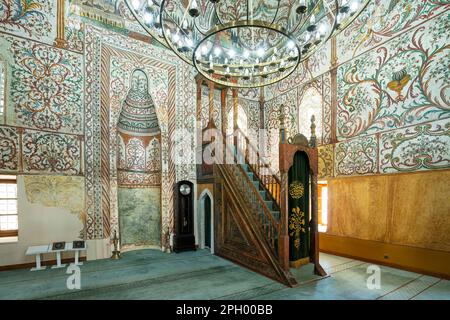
<point x="323" y="29"/>
<point x="223" y="48"/>
<point x="211" y="67"/>
<point x="312" y="24"/>
<point x="189" y="42"/>
<point x="204" y="50"/>
<point x="136" y="4"/>
<point x="307" y="37"/>
<point x="354" y="6"/>
<point x="301" y="7"/>
<point x="193" y="9"/>
<point x="290" y="44"/>
<point x="246" y="74"/>
<point x="184" y="25"/>
<point x="260" y="52"/>
<point x="265" y="73"/>
<point x="148" y="18"/>
<point x="282" y="67"/>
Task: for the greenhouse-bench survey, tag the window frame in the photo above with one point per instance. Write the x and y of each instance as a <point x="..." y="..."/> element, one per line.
<point x="10" y="233"/>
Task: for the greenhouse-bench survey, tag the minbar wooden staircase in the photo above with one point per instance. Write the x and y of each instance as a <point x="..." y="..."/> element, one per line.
<point x="248" y="216"/>
<point x="251" y="213"/>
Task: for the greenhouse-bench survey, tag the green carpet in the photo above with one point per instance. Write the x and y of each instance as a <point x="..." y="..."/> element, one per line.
<point x="152" y="274"/>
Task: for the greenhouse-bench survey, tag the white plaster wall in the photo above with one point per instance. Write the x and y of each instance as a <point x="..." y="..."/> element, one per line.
<point x="39" y="225"/>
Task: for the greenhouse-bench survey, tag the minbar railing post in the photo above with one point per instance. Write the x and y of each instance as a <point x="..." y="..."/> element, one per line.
<point x="284" y="236"/>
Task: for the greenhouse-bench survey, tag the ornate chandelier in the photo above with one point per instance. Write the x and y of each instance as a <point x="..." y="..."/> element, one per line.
<point x="244" y="43"/>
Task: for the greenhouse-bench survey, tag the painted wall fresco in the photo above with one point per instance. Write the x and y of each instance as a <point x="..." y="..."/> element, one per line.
<point x="425" y="146"/>
<point x="382" y="20"/>
<point x="390" y="85"/>
<point x="140" y="216"/>
<point x="356" y="156"/>
<point x="326" y="161"/>
<point x="51" y="153"/>
<point x="402" y="82"/>
<point x="10" y="149"/>
<point x="172" y="85"/>
<point x="46" y="86"/>
<point x="29" y="18"/>
<point x="57" y="191"/>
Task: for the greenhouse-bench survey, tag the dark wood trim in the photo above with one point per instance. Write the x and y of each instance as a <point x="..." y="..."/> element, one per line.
<point x="9" y="233"/>
<point x="420" y="260"/>
<point x="44" y="263"/>
<point x="8" y="181"/>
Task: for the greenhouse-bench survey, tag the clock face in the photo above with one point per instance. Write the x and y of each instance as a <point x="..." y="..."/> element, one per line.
<point x="185" y="189"/>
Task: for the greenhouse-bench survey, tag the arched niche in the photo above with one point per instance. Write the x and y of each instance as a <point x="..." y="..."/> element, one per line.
<point x="139" y="166"/>
<point x="205" y="224"/>
<point x="310" y="104"/>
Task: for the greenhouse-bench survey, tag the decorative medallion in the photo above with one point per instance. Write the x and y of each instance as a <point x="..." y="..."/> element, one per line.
<point x="297" y="225"/>
<point x="296" y="189"/>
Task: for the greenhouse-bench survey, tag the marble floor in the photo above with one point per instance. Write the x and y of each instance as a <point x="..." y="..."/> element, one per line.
<point x="151" y="274"/>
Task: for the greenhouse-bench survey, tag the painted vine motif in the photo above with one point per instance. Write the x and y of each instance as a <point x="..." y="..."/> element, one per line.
<point x="9" y="149"/>
<point x="31" y="17"/>
<point x="357" y="156"/>
<point x="325" y="161"/>
<point x="383" y="19"/>
<point x="48" y="152"/>
<point x="47" y="87"/>
<point x="399" y="84"/>
<point x="421" y="147"/>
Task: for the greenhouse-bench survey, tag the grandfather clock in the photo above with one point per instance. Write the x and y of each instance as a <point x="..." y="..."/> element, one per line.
<point x="184" y="238"/>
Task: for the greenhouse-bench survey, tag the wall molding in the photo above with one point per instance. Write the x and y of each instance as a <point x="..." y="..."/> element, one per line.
<point x="414" y="259"/>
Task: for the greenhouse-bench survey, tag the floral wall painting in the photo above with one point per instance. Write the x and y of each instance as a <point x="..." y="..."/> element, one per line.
<point x="425" y="146"/>
<point x="29" y="18"/>
<point x="382" y="20"/>
<point x="379" y="93"/>
<point x="45" y="152"/>
<point x="9" y="149"/>
<point x="402" y="82"/>
<point x="356" y="156"/>
<point x="46" y="87"/>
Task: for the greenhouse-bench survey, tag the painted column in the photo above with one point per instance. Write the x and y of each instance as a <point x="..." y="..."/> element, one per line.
<point x="60" y="40"/>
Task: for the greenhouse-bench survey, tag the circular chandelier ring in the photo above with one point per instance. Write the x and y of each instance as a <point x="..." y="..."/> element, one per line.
<point x="249" y="24"/>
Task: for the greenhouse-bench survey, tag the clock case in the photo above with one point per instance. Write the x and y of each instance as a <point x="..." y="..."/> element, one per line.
<point x="184" y="238"/>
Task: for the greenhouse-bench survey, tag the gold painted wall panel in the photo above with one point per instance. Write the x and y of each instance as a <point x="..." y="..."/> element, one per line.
<point x="421" y="210"/>
<point x="406" y="209"/>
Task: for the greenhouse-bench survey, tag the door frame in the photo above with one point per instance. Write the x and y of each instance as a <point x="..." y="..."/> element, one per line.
<point x="200" y="225"/>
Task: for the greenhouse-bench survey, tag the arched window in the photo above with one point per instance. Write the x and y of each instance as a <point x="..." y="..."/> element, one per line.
<point x="310" y="104"/>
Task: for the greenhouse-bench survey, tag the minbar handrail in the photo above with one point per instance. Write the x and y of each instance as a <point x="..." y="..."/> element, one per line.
<point x="261" y="169"/>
